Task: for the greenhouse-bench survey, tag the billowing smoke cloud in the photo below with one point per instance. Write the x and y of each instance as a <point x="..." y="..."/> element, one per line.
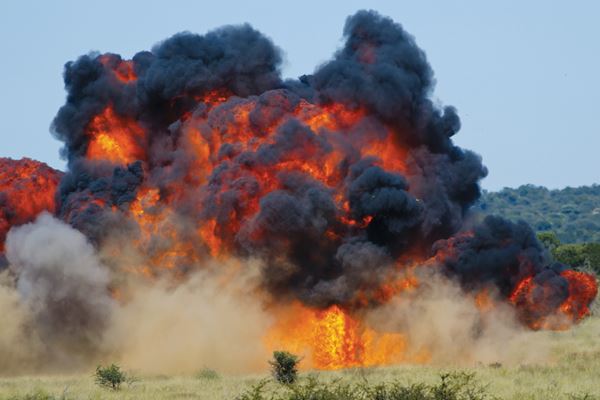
<point x="337" y="187"/>
<point x="62" y="286"/>
<point x="508" y="257"/>
<point x="445" y="327"/>
<point x="288" y="170"/>
<point x="19" y="347"/>
<point x="60" y="313"/>
<point x="207" y="321"/>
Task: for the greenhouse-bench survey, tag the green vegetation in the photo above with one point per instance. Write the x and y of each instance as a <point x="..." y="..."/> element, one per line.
<point x="567" y="220"/>
<point x="584" y="256"/>
<point x="207" y="373"/>
<point x="451" y="386"/>
<point x="38" y="394"/>
<point x="284" y="367"/>
<point x="110" y="377"/>
<point x="567" y="369"/>
<point x="572" y="213"/>
<point x="568" y="224"/>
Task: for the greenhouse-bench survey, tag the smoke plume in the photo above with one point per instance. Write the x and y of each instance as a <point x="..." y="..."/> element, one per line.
<point x="207" y="201"/>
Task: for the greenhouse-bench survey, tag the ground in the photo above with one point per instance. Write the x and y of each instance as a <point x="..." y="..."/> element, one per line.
<point x="573" y="373"/>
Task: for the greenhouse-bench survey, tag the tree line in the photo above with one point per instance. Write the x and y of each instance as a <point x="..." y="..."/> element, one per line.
<point x="567" y="221"/>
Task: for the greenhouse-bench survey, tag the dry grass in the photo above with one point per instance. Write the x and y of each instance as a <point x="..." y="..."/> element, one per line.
<point x="573" y="373"/>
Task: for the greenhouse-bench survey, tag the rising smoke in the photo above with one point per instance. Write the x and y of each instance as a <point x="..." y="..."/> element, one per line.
<point x="204" y="194"/>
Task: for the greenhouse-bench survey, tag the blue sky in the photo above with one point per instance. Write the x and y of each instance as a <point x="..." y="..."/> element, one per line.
<point x="523" y="74"/>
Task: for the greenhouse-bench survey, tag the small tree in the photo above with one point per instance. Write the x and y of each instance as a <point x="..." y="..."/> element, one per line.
<point x="284" y="367"/>
<point x="110" y="377"/>
<point x="549" y="240"/>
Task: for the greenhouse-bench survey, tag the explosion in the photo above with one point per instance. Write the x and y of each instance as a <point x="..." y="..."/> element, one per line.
<point x="344" y="186"/>
<point x="27" y="188"/>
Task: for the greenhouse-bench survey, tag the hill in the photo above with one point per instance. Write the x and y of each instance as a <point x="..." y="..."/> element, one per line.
<point x="572" y="213"/>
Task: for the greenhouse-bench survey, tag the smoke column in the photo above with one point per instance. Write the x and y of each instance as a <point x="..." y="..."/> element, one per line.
<point x="337" y="197"/>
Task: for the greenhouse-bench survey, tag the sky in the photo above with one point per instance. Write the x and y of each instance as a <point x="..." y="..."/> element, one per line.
<point x="524" y="75"/>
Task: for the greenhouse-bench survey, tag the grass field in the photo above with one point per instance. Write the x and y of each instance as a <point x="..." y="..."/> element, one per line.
<point x="573" y="372"/>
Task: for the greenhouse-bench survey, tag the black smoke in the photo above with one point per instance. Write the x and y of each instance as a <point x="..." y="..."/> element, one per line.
<point x="308" y="253"/>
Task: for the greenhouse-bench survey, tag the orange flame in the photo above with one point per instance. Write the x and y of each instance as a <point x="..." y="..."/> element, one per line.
<point x="122" y="69"/>
<point x="27" y="187"/>
<point x="333" y="339"/>
<point x="121" y="140"/>
<point x="583" y="289"/>
<point x="115" y="138"/>
<point x="483" y="300"/>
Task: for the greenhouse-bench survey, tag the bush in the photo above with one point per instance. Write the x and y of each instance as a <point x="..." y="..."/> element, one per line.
<point x="452" y="386"/>
<point x="284" y="367"/>
<point x="256" y="392"/>
<point x="207" y="374"/>
<point x="41" y="394"/>
<point x="110" y="377"/>
<point x="457" y="386"/>
<point x="37" y="395"/>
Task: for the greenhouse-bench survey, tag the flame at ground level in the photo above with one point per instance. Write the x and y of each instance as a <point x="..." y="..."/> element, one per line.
<point x="332" y="339"/>
<point x="531" y="299"/>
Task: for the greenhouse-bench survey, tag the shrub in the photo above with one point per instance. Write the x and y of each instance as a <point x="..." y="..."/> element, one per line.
<point x="110" y="377"/>
<point x="37" y="395"/>
<point x="582" y="396"/>
<point x="41" y="394"/>
<point x="255" y="392"/>
<point x="207" y="374"/>
<point x="313" y="389"/>
<point x="458" y="386"/>
<point x="452" y="386"/>
<point x="395" y="391"/>
<point x="284" y="367"/>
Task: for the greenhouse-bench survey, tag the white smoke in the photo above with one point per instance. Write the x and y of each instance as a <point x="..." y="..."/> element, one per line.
<point x="59" y="314"/>
<point x="62" y="289"/>
<point x="440" y="320"/>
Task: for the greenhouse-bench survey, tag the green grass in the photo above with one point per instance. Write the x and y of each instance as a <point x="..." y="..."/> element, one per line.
<point x="572" y="372"/>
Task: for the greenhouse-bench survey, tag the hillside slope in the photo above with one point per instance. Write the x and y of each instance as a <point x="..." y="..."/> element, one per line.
<point x="572" y="213"/>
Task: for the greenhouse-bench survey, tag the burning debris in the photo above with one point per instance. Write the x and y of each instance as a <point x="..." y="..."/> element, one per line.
<point x="345" y="185"/>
